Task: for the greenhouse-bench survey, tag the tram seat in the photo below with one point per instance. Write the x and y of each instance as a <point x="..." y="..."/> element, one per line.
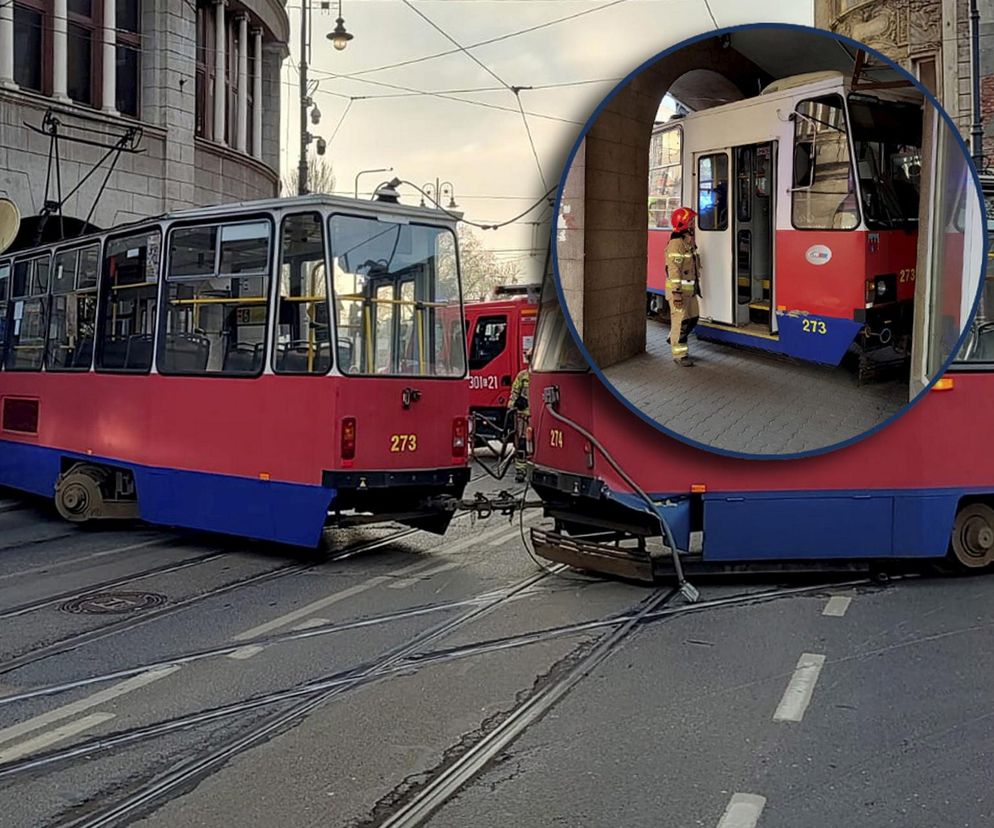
<point x="83" y="353"/>
<point x="985" y="343"/>
<point x="138" y="351"/>
<point x="244" y="358"/>
<point x="186" y="353"/>
<point x="292" y="358"/>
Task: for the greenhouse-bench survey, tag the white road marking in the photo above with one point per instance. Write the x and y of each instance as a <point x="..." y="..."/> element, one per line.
<point x="327" y="601"/>
<point x="243" y="653"/>
<point x="837" y="606"/>
<point x="743" y="811"/>
<point x="485" y="537"/>
<point x="92" y="556"/>
<point x="798" y="694"/>
<point x="500" y="540"/>
<point x="404" y="583"/>
<point x="69" y="710"/>
<point x="310" y="623"/>
<point x="41" y="742"/>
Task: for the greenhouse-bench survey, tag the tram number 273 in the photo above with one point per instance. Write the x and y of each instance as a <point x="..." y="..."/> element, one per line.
<point x="814" y="326"/>
<point x="403" y="442"/>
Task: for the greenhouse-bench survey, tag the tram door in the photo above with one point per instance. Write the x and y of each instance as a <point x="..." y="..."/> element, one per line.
<point x="753" y="219"/>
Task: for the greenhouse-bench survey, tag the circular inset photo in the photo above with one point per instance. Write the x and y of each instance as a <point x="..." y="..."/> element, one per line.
<point x="769" y="240"/>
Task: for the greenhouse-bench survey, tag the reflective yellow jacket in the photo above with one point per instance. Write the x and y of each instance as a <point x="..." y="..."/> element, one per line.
<point x="519" y="390"/>
<point x="683" y="266"/>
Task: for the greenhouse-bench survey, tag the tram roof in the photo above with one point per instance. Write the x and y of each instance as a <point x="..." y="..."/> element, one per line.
<point x="317" y="201"/>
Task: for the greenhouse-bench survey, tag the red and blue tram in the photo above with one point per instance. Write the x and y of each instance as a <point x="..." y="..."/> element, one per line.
<point x="807" y="199"/>
<point x="922" y="487"/>
<point x="259" y="369"/>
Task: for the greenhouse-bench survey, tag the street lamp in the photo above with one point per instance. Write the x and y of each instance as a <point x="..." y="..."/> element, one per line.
<point x="437" y="192"/>
<point x="339" y="37"/>
<point x="363" y="172"/>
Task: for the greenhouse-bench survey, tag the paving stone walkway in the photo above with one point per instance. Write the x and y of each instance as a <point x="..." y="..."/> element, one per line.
<point x="741" y="400"/>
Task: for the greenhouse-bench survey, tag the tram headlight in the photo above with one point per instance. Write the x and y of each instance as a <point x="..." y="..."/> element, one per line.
<point x="881" y="288"/>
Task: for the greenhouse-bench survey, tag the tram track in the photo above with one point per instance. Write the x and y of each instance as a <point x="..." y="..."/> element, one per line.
<point x="405" y="659"/>
<point x="36" y="654"/>
<point x="314" y="696"/>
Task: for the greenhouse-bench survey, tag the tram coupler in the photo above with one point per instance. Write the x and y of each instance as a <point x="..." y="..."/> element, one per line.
<point x="484" y="505"/>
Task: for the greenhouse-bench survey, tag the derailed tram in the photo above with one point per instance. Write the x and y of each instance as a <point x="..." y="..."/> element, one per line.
<point x="261" y="369"/>
<point x="921" y="487"/>
<point x="807" y="199"/>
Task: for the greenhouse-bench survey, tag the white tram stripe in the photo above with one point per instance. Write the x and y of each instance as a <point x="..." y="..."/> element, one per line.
<point x="837" y="606"/>
<point x="43" y="740"/>
<point x="743" y="811"/>
<point x="69" y="710"/>
<point x="310" y="623"/>
<point x="243" y="653"/>
<point x="797" y="696"/>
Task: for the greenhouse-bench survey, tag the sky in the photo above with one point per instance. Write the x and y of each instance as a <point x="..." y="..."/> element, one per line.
<point x="498" y="162"/>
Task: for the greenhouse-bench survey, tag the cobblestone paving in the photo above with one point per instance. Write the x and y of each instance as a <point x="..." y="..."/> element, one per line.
<point x="740" y="400"/>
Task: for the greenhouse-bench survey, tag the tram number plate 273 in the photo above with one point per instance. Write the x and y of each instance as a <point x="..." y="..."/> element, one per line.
<point x="814" y="326"/>
<point x="403" y="442"/>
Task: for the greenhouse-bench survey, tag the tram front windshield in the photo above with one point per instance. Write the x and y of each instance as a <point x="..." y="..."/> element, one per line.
<point x="396" y="291"/>
<point x="887" y="140"/>
<point x="555" y="348"/>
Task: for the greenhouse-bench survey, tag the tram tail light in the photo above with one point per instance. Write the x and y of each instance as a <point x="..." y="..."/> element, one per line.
<point x="530" y="441"/>
<point x="348" y="438"/>
<point x="459" y="435"/>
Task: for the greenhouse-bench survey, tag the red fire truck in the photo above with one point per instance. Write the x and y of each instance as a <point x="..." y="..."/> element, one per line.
<point x="498" y="333"/>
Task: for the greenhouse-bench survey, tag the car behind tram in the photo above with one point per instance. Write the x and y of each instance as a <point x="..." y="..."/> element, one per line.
<point x="260" y="369"/>
<point x="807" y="199"/>
<point x="919" y="488"/>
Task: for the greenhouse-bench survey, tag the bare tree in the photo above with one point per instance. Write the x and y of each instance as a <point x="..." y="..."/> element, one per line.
<point x="482" y="271"/>
<point x="320" y="177"/>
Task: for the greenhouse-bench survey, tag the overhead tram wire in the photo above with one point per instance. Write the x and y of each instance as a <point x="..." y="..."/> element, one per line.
<point x="480" y="225"/>
<point x="707" y="5"/>
<point x="515" y="90"/>
<point x="486" y="42"/>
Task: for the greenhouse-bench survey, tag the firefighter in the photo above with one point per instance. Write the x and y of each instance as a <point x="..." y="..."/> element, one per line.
<point x="683" y="283"/>
<point x="518" y="403"/>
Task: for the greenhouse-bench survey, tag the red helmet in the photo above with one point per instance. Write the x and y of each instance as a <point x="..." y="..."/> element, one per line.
<point x="682" y="218"/>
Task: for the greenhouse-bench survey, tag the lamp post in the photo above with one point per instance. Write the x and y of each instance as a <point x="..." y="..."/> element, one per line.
<point x="363" y="172"/>
<point x="339" y="38"/>
<point x="438" y="191"/>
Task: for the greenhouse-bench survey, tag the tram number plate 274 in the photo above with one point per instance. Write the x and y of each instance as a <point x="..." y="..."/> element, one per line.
<point x="403" y="442"/>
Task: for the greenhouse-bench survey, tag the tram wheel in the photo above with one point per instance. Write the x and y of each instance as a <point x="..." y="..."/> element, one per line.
<point x="78" y="496"/>
<point x="973" y="536"/>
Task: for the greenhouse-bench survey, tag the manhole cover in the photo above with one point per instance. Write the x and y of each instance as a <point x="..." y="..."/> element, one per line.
<point x="114" y="602"/>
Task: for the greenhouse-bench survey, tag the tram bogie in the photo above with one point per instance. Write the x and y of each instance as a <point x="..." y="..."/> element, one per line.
<point x="259" y="369"/>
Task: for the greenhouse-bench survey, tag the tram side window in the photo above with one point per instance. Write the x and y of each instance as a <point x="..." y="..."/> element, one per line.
<point x="665" y="176"/>
<point x="393" y="283"/>
<point x="303" y="322"/>
<point x="4" y="292"/>
<point x="712" y="192"/>
<point x="27" y="314"/>
<point x="126" y="327"/>
<point x="823" y="195"/>
<point x="217" y="284"/>
<point x="72" y="328"/>
<point x="489" y="341"/>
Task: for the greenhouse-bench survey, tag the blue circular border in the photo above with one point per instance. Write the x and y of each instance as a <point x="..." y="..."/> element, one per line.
<point x="555" y="251"/>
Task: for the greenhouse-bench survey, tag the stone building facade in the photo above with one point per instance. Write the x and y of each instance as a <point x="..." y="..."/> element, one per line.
<point x="199" y="78"/>
<point x="931" y="39"/>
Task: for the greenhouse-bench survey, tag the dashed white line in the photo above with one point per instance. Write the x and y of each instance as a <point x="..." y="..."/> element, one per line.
<point x="837" y="606"/>
<point x="243" y="653"/>
<point x="743" y="811"/>
<point x="69" y="710"/>
<point x="798" y="694"/>
<point x="43" y="740"/>
<point x="310" y="623"/>
<point x="93" y="555"/>
<point x="404" y="583"/>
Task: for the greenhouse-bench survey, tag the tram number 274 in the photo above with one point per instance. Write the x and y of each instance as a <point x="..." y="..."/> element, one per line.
<point x="555" y="438"/>
<point x="403" y="442"/>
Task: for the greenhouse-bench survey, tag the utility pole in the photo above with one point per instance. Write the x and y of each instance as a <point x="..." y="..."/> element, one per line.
<point x="305" y="12"/>
<point x="977" y="128"/>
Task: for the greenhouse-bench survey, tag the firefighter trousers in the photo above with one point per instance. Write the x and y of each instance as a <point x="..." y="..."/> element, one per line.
<point x="683" y="319"/>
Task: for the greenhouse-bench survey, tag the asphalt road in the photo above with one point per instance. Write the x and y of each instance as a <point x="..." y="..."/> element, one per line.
<point x="159" y="678"/>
